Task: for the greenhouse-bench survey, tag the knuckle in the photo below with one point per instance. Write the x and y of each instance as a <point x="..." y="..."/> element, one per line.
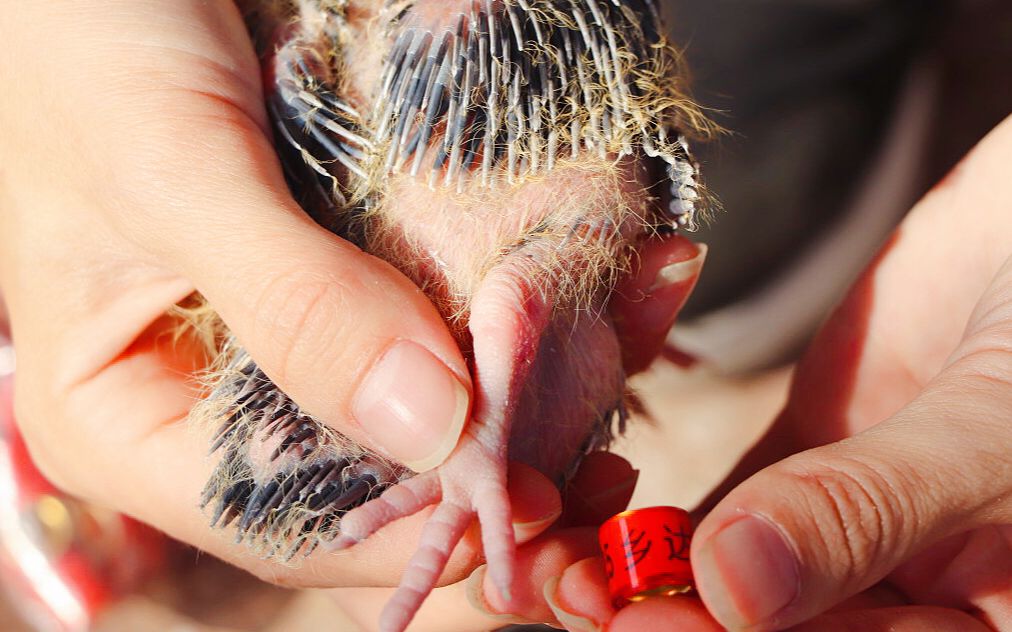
<point x="987" y="348"/>
<point x="304" y="318"/>
<point x="971" y="404"/>
<point x="987" y="365"/>
<point x="857" y="513"/>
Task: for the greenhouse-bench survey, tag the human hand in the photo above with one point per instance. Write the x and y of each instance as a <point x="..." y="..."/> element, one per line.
<point x="890" y="508"/>
<point x="644" y="307"/>
<point x="137" y="167"/>
<point x="147" y="123"/>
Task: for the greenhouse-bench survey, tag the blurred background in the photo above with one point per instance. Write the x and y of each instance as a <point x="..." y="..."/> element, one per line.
<point x="839" y="114"/>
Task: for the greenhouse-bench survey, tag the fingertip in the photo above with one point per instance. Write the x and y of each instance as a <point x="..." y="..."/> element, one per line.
<point x="475" y="591"/>
<point x="663" y="261"/>
<point x="646" y="304"/>
<point x="579" y="597"/>
<point x="534" y="499"/>
<point x="746" y="572"/>
<point x="537" y="562"/>
<point x="354" y="342"/>
<point x="580" y="600"/>
<point x="794" y="540"/>
<point x="602" y="487"/>
<point x="412" y="405"/>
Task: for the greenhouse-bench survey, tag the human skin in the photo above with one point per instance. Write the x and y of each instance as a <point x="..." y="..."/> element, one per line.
<point x="137" y="168"/>
<point x="106" y="177"/>
<point x="885" y="482"/>
<point x="519" y="261"/>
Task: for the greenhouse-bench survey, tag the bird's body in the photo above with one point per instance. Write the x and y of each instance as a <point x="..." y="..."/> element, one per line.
<point x="506" y="155"/>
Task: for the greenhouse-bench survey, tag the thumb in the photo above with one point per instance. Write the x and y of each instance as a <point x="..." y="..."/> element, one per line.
<point x="346" y="335"/>
<point x="823" y="525"/>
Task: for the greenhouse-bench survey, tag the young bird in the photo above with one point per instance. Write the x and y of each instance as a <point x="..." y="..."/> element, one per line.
<point x="506" y="155"/>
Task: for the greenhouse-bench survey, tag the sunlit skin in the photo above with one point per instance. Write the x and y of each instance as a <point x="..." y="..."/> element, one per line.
<point x="551" y="169"/>
<point x="921" y="339"/>
<point x="148" y="172"/>
<point x="133" y="124"/>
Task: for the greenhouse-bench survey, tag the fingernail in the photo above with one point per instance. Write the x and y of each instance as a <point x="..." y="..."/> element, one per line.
<point x="474" y="589"/>
<point x="521" y="529"/>
<point x="747" y="573"/>
<point x="572" y="622"/>
<point x="412" y="406"/>
<point x="680" y="271"/>
<point x="339" y="543"/>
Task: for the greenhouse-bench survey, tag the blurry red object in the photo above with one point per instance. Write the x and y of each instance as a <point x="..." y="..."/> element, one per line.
<point x="62" y="559"/>
<point x="646" y="553"/>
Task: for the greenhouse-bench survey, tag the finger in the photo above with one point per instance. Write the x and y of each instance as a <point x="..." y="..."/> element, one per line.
<point x="161" y="475"/>
<point x="962" y="572"/>
<point x="579" y="598"/>
<point x="200" y="190"/>
<point x="581" y="603"/>
<point x="347" y="336"/>
<point x="538" y="562"/>
<point x="156" y="476"/>
<point x="602" y="487"/>
<point x="534" y="501"/>
<point x="905" y="619"/>
<point x="176" y="152"/>
<point x="901" y="320"/>
<point x="646" y="304"/>
<point x="810" y="531"/>
<point x="814" y="529"/>
<point x="463" y="607"/>
<point x="909" y="311"/>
